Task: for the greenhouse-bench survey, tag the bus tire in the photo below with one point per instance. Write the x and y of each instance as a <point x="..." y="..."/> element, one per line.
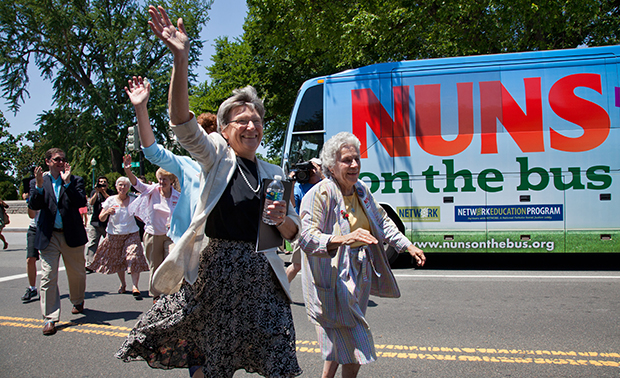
<point x="391" y="252"/>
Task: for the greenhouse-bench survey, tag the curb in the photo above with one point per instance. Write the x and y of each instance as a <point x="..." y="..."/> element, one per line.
<point x="15" y="229"/>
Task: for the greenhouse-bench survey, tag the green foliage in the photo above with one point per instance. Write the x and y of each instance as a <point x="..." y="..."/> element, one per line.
<point x="289" y="41"/>
<point x="8" y="191"/>
<point x="112" y="177"/>
<point x="151" y="177"/>
<point x="89" y="50"/>
<point x="8" y="149"/>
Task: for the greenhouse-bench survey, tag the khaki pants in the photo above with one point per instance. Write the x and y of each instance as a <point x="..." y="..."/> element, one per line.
<point x="95" y="233"/>
<point x="156" y="248"/>
<point x="74" y="261"/>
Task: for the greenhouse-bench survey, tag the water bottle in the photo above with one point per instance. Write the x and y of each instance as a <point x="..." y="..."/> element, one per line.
<point x="275" y="192"/>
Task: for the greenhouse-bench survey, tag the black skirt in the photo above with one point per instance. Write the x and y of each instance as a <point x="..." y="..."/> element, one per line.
<point x="235" y="316"/>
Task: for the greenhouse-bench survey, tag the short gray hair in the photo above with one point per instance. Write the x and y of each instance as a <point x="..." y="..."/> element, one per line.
<point x="241" y="97"/>
<point x="333" y="146"/>
<point x="123" y="179"/>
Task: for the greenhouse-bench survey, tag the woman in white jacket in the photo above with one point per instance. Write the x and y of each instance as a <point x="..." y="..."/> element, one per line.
<point x="231" y="311"/>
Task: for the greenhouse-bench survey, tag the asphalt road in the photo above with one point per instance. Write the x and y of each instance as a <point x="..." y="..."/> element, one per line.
<point x="462" y="316"/>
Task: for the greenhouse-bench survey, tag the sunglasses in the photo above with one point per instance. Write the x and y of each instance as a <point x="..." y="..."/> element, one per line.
<point x="58" y="159"/>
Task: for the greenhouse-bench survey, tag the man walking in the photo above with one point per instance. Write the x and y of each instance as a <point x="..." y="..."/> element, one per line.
<point x="97" y="228"/>
<point x="60" y="232"/>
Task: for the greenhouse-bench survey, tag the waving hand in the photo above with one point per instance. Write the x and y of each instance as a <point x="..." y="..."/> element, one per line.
<point x="176" y="39"/>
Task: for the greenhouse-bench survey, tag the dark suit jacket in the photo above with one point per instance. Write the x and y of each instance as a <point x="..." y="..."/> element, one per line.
<point x="70" y="200"/>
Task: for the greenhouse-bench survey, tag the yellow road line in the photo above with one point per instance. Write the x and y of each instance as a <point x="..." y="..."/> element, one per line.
<point x="430" y="353"/>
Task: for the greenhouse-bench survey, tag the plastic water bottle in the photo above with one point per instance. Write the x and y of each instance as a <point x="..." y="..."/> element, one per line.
<point x="275" y="192"/>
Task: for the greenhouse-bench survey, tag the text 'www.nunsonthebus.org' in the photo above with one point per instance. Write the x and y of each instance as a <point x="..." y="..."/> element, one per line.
<point x="489" y="244"/>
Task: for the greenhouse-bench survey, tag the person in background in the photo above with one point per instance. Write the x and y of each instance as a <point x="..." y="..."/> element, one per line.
<point x="208" y="122"/>
<point x="3" y="217"/>
<point x="58" y="195"/>
<point x="154" y="207"/>
<point x="343" y="231"/>
<point x="299" y="191"/>
<point x="32" y="254"/>
<point x="193" y="327"/>
<point x="84" y="214"/>
<point x="96" y="229"/>
<point x="121" y="249"/>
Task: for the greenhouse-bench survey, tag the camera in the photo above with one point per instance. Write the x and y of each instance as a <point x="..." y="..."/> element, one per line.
<point x="100" y="185"/>
<point x="302" y="172"/>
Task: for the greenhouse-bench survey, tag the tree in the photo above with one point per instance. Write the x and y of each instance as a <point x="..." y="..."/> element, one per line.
<point x="89" y="49"/>
<point x="234" y="67"/>
<point x="291" y="41"/>
<point x="8" y="149"/>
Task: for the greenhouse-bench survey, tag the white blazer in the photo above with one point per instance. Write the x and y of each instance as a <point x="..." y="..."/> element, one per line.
<point x="218" y="162"/>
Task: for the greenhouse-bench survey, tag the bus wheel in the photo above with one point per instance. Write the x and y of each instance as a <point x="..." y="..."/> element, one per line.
<point x="391" y="252"/>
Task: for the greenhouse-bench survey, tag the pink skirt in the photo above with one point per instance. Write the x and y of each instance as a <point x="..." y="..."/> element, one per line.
<point x="119" y="253"/>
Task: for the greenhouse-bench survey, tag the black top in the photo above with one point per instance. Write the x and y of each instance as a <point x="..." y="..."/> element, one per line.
<point x="94" y="219"/>
<point x="236" y="215"/>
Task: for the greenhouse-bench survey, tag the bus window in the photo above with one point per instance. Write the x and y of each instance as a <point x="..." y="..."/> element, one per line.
<point x="310" y="111"/>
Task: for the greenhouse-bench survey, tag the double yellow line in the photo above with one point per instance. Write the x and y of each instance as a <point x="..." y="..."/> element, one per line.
<point x="88" y="328"/>
<point x="508" y="355"/>
<point x="430" y="353"/>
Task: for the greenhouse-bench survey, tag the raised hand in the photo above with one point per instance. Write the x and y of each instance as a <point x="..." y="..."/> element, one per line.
<point x="127" y="161"/>
<point x="38" y="174"/>
<point x="65" y="174"/>
<point x="138" y="91"/>
<point x="176" y="39"/>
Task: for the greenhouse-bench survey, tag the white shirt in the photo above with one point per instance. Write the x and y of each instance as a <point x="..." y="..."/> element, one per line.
<point x="121" y="222"/>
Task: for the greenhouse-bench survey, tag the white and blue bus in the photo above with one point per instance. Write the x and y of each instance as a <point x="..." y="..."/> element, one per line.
<point x="511" y="153"/>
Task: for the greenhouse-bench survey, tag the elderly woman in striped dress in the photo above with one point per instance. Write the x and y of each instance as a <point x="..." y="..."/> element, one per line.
<point x="343" y="231"/>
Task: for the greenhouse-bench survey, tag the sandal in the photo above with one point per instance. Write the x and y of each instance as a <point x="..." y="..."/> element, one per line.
<point x="122" y="290"/>
<point x="136" y="294"/>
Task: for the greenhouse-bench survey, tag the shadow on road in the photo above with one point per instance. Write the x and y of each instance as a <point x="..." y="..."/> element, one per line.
<point x="92" y="316"/>
<point x="515" y="261"/>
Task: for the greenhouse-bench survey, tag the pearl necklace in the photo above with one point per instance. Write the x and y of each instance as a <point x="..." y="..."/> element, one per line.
<point x="247" y="182"/>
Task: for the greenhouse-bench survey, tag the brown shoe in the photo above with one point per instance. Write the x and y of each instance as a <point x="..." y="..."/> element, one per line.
<point x="49" y="328"/>
<point x="78" y="308"/>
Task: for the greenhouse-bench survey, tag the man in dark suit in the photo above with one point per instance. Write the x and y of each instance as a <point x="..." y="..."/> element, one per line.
<point x="60" y="232"/>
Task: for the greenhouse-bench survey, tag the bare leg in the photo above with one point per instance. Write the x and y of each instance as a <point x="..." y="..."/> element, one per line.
<point x="31" y="264"/>
<point x="135" y="277"/>
<point x="350" y="370"/>
<point x="121" y="276"/>
<point x="329" y="369"/>
<point x="6" y="245"/>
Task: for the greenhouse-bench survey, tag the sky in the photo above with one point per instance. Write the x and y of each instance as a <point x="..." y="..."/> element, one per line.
<point x="226" y="19"/>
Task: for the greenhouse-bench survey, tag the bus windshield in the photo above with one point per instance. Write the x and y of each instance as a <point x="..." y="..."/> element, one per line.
<point x="307" y="137"/>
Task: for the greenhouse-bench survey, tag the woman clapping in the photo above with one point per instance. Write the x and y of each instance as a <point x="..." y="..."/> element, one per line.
<point x="121" y="249"/>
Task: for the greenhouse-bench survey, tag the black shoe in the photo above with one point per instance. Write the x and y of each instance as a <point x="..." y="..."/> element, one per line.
<point x="30" y="293"/>
<point x="89" y="271"/>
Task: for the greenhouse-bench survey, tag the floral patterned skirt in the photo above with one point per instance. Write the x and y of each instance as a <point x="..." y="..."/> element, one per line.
<point x="235" y="316"/>
<point x="119" y="253"/>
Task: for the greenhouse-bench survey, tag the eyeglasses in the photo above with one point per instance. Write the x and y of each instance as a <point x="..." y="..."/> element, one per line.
<point x="59" y="159"/>
<point x="245" y="122"/>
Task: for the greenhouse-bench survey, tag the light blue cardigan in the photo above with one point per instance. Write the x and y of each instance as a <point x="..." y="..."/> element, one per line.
<point x="188" y="174"/>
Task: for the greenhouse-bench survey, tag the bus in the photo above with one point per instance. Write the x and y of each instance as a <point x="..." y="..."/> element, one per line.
<point x="506" y="153"/>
